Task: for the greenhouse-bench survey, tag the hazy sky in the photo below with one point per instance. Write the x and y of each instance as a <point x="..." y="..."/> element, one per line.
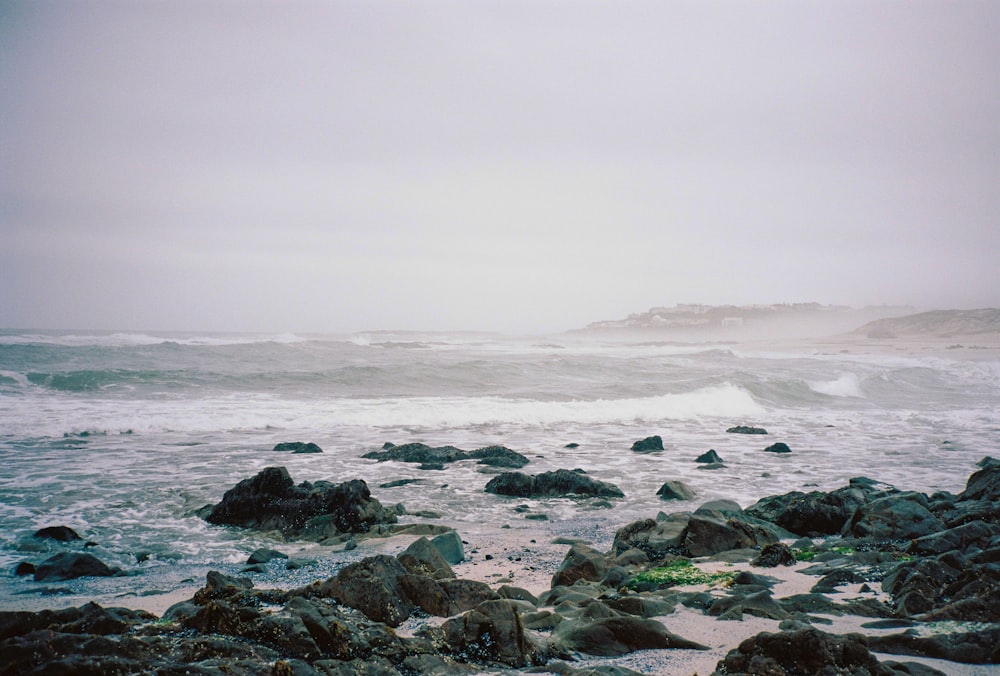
<point x="512" y="166"/>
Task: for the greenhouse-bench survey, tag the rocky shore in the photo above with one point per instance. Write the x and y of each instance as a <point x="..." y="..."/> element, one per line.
<point x="865" y="579"/>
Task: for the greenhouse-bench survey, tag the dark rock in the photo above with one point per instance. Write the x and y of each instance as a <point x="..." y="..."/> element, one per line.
<point x="431" y="466"/>
<point x="973" y="647"/>
<point x="517" y="594"/>
<point x="758" y="604"/>
<point x="493" y="633"/>
<point x="560" y="483"/>
<point x="984" y="484"/>
<point x="745" y="429"/>
<point x="372" y="586"/>
<point x="423" y="558"/>
<point x="581" y="563"/>
<point x="779" y="447"/>
<point x="71" y="565"/>
<point x="712" y="530"/>
<point x="270" y="500"/>
<point x="675" y="490"/>
<point x="59" y="533"/>
<point x="418" y="452"/>
<point x="466" y="594"/>
<point x="811" y="514"/>
<point x="710" y="457"/>
<point x="264" y="555"/>
<point x="24" y="568"/>
<point x="499" y="456"/>
<point x="977" y="534"/>
<point x="654" y="538"/>
<point x="648" y="445"/>
<point x="572" y="444"/>
<point x="808" y="651"/>
<point x="398" y="482"/>
<point x="774" y="555"/>
<point x="901" y="516"/>
<point x="298" y="447"/>
<point x="614" y="636"/>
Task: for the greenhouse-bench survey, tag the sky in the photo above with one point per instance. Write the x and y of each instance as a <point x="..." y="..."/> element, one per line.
<point x="504" y="166"/>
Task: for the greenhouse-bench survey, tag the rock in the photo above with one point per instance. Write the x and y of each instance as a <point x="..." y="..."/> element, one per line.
<point x="654" y="538"/>
<point x="675" y="490"/>
<point x="372" y="586"/>
<point x="298" y="447"/>
<point x="466" y="594"/>
<point x="264" y="555"/>
<point x="499" y="456"/>
<point x="713" y="529"/>
<point x="745" y="429"/>
<point x="648" y="445"/>
<point x="614" y="636"/>
<point x="58" y="533"/>
<point x="270" y="501"/>
<point x="492" y="632"/>
<point x="901" y="516"/>
<point x="984" y="484"/>
<point x="810" y="514"/>
<point x="71" y="565"/>
<point x="24" y="568"/>
<point x="977" y="534"/>
<point x="774" y="555"/>
<point x="449" y="545"/>
<point x="398" y="482"/>
<point x="779" y="447"/>
<point x="418" y="452"/>
<point x="710" y="458"/>
<point x="560" y="483"/>
<point x="423" y="558"/>
<point x="581" y="563"/>
<point x="807" y="651"/>
<point x="972" y="647"/>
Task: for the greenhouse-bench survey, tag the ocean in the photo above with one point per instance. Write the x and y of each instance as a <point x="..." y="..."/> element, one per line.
<point x="122" y="436"/>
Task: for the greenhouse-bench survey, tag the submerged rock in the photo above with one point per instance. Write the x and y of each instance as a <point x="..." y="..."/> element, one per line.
<point x="648" y="445"/>
<point x="709" y="458"/>
<point x="71" y="565"/>
<point x="746" y="429"/>
<point x="779" y="447"/>
<point x="675" y="490"/>
<point x="58" y="533"/>
<point x="560" y="483"/>
<point x="271" y="501"/>
<point x="297" y="447"/>
<point x="436" y="457"/>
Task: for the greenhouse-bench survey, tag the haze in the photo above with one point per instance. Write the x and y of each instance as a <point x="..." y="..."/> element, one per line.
<point x="508" y="166"/>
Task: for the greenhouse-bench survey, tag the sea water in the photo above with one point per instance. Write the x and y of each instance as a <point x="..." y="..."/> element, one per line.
<point x="123" y="436"/>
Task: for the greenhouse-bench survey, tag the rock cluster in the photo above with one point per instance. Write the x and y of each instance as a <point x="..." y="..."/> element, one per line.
<point x="561" y="482"/>
<point x="435" y="457"/>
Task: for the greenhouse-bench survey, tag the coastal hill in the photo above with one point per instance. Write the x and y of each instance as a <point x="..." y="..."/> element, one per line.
<point x="940" y="323"/>
<point x="746" y="321"/>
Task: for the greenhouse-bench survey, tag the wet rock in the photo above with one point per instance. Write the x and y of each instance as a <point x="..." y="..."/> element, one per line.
<point x="811" y="514"/>
<point x="71" y="565"/>
<point x="58" y="533"/>
<point x="710" y="457"/>
<point x="808" y="651"/>
<point x="614" y="636"/>
<point x="560" y="483"/>
<point x="648" y="445"/>
<point x="372" y="586"/>
<point x="264" y="555"/>
<point x="779" y="447"/>
<point x="423" y="558"/>
<point x="297" y="447"/>
<point x="972" y="647"/>
<point x="984" y="484"/>
<point x="901" y="516"/>
<point x="654" y="538"/>
<point x="499" y="456"/>
<point x="492" y="633"/>
<point x="774" y="555"/>
<point x="675" y="490"/>
<point x="450" y="546"/>
<point x="746" y="429"/>
<point x="271" y="501"/>
<point x="436" y="457"/>
<point x="710" y="531"/>
<point x="24" y="568"/>
<point x="581" y="563"/>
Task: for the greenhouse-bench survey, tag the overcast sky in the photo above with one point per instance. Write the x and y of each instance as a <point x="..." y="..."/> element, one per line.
<point x="513" y="166"/>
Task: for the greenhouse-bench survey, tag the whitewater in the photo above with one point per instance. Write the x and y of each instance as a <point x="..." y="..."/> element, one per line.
<point x="123" y="436"/>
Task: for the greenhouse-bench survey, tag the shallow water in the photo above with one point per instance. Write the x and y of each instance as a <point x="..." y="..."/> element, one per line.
<point x="123" y="436"/>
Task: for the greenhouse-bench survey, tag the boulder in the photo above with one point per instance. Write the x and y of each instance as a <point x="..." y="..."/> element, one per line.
<point x="901" y="516"/>
<point x="449" y="545"/>
<point x="648" y="445"/>
<point x="71" y="565"/>
<point x="436" y="457"/>
<point x="264" y="555"/>
<point x="984" y="484"/>
<point x="423" y="558"/>
<point x="618" y="635"/>
<point x="499" y="456"/>
<point x="774" y="555"/>
<point x="492" y="632"/>
<point x="372" y="586"/>
<point x="971" y="647"/>
<point x="675" y="490"/>
<point x="746" y="429"/>
<point x="810" y="514"/>
<point x="560" y="483"/>
<point x="58" y="533"/>
<point x="807" y="651"/>
<point x="709" y="458"/>
<point x="297" y="447"/>
<point x="779" y="447"/>
<point x="581" y="563"/>
<point x="271" y="501"/>
<point x="655" y="538"/>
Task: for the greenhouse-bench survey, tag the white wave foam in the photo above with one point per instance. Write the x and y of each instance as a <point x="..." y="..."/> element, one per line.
<point x="141" y="339"/>
<point x="846" y="385"/>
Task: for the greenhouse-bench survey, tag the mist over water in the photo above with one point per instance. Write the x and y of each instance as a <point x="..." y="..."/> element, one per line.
<point x="123" y="436"/>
